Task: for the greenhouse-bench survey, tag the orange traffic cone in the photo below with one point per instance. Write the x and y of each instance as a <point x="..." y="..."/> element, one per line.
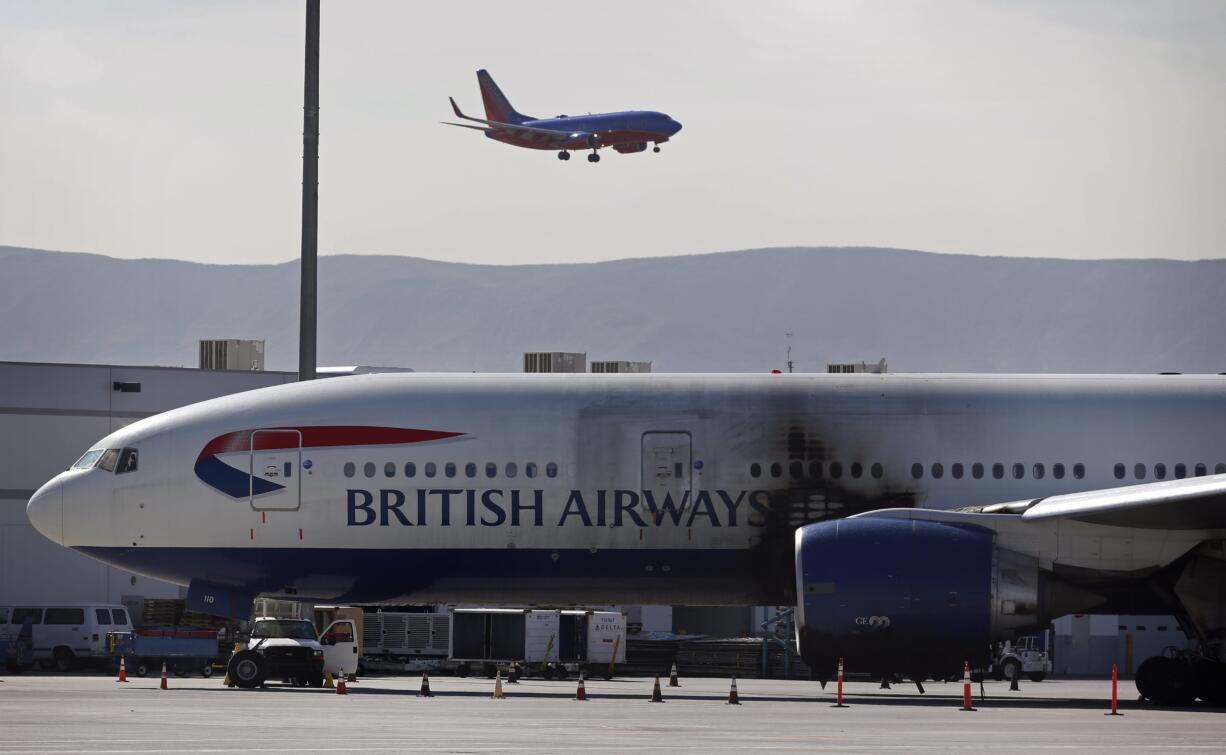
<point x="1115" y="697"/>
<point x="164" y="676"/>
<point x="966" y="686"/>
<point x="123" y="671"/>
<point x="581" y="691"/>
<point x="839" y="691"/>
<point x="425" y="686"/>
<point x="732" y="696"/>
<point x="673" y="681"/>
<point x="498" y="686"/>
<point x="656" y="695"/>
<point x="340" y="683"/>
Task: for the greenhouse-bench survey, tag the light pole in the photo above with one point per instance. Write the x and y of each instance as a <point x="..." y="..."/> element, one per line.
<point x="310" y="198"/>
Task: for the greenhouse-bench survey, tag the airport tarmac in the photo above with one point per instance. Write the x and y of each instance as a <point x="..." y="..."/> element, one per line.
<point x="50" y="713"/>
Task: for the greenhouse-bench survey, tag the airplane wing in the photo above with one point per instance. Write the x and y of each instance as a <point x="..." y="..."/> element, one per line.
<point x="556" y="135"/>
<point x="1191" y="503"/>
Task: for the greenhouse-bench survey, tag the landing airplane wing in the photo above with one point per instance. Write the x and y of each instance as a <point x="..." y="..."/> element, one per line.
<point x="1191" y="503"/>
<point x="561" y="137"/>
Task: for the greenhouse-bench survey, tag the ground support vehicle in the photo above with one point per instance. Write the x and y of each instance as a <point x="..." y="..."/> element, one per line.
<point x="1023" y="656"/>
<point x="549" y="642"/>
<point x="66" y="634"/>
<point x="289" y="650"/>
<point x="182" y="649"/>
<point x="17" y="646"/>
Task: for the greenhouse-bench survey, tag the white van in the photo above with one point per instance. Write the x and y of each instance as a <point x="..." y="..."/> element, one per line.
<point x="65" y="633"/>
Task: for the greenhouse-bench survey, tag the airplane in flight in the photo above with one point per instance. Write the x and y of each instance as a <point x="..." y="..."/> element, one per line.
<point x="625" y="132"/>
<point x="911" y="519"/>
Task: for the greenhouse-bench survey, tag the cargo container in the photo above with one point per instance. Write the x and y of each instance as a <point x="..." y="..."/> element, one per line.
<point x="405" y="636"/>
<point x="551" y="642"/>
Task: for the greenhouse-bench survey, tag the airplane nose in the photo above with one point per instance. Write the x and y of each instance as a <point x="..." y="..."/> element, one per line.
<point x="46" y="510"/>
<point x="674" y="125"/>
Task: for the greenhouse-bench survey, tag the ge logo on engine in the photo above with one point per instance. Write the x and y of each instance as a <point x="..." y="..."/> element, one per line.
<point x="873" y="622"/>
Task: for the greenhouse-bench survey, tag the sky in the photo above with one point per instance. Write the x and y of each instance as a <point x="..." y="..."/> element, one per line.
<point x="1050" y="128"/>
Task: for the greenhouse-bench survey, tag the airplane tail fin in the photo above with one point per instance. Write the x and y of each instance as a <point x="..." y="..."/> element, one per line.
<point x="497" y="107"/>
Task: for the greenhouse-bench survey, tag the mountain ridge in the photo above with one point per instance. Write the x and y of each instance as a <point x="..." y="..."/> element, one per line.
<point x="8" y="249"/>
<point x="722" y="311"/>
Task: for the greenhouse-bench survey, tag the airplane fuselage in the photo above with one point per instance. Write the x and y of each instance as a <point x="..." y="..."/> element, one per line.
<point x="633" y="130"/>
<point x="628" y="488"/>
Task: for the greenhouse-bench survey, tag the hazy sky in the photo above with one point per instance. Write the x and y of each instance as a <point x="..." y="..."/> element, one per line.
<point x="1063" y="128"/>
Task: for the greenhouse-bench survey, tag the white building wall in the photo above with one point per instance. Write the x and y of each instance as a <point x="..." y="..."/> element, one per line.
<point x="1088" y="645"/>
<point x="49" y="415"/>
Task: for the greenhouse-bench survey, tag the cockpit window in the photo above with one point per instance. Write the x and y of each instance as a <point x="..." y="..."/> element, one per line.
<point x="108" y="460"/>
<point x="127" y="461"/>
<point x="89" y="459"/>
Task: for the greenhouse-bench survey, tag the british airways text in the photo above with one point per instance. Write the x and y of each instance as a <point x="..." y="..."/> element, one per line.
<point x="526" y="508"/>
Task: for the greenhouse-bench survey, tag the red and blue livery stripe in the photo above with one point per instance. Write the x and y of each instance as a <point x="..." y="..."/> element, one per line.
<point x="238" y="483"/>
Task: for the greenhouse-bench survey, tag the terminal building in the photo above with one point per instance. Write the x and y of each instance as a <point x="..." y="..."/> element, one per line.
<point x="51" y="414"/>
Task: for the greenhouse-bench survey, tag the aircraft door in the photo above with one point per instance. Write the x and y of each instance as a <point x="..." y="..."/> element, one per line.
<point x="340" y="644"/>
<point x="667" y="464"/>
<point x="276" y="463"/>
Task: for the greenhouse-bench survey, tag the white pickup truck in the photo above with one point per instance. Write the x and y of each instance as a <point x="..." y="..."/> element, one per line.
<point x="288" y="649"/>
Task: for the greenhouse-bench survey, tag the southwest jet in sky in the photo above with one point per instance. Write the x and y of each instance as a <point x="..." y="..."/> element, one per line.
<point x="625" y="132"/>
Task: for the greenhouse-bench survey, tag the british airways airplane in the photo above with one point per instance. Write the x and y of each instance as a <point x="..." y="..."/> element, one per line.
<point x="625" y="132"/>
<point x="912" y="519"/>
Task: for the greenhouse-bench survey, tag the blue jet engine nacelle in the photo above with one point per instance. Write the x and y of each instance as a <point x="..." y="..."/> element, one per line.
<point x="911" y="597"/>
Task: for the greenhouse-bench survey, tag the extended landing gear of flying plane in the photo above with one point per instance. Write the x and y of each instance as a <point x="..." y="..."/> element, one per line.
<point x="594" y="157"/>
<point x="656" y="148"/>
<point x="563" y="155"/>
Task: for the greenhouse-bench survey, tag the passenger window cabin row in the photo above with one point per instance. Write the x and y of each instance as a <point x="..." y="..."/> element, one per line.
<point x="1017" y="471"/>
<point x="799" y="470"/>
<point x="1177" y="471"/>
<point x="450" y="469"/>
<point x="816" y="470"/>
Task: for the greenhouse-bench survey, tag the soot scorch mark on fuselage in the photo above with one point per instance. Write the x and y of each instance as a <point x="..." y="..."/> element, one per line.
<point x="809" y="498"/>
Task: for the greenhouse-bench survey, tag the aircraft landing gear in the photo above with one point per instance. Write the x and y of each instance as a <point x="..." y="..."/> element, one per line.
<point x="1167" y="681"/>
<point x="594" y="157"/>
<point x="656" y="148"/>
<point x="563" y="155"/>
<point x="1179" y="681"/>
